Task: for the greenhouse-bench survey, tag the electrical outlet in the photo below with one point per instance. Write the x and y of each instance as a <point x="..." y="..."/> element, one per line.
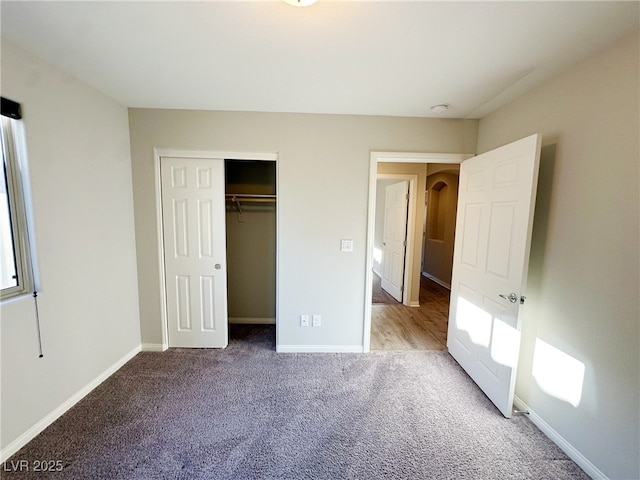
<point x="304" y="320"/>
<point x="316" y="320"/>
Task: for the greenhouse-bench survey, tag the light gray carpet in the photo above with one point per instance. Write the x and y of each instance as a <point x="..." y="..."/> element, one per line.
<point x="250" y="413"/>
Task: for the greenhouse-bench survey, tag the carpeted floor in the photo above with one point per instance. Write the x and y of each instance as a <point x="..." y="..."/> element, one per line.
<point x="249" y="413"/>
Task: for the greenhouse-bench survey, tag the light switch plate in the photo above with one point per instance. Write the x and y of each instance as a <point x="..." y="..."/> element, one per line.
<point x="346" y="245"/>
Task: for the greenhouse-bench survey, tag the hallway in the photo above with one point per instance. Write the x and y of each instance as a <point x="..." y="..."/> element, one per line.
<point x="395" y="326"/>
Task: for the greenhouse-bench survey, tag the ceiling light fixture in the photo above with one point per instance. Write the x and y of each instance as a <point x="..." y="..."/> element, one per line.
<point x="443" y="107"/>
<point x="300" y="3"/>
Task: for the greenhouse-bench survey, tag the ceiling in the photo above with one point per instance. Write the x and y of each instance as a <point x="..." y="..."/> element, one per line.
<point x="342" y="57"/>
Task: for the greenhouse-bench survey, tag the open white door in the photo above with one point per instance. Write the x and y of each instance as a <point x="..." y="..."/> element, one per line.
<point x="394" y="238"/>
<point x="193" y="216"/>
<point x="491" y="256"/>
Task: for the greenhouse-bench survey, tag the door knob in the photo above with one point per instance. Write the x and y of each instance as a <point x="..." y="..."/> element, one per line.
<point x="512" y="297"/>
<point x="218" y="266"/>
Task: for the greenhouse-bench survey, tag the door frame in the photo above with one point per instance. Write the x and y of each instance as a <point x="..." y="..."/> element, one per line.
<point x="393" y="157"/>
<point x="158" y="153"/>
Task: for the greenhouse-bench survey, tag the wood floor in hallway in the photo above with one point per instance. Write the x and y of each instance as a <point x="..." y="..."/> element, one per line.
<point x="395" y="326"/>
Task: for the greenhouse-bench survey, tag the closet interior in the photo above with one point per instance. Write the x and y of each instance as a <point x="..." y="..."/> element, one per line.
<point x="250" y="193"/>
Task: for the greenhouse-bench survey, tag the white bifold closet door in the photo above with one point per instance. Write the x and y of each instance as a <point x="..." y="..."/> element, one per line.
<point x="193" y="216"/>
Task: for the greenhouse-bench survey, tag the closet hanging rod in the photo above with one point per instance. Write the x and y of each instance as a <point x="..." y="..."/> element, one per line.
<point x="252" y="198"/>
<point x="238" y="200"/>
<point x="247" y="195"/>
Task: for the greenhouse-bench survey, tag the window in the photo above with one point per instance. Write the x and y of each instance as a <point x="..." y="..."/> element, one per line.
<point x="15" y="273"/>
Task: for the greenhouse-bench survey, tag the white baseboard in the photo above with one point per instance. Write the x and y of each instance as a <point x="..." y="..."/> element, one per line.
<point x="559" y="440"/>
<point x="319" y="348"/>
<point x="414" y="304"/>
<point x="437" y="280"/>
<point x="154" y="347"/>
<point x="253" y="320"/>
<point x="30" y="434"/>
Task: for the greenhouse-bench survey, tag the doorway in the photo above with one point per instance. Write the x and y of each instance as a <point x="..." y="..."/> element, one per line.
<point x="391" y="235"/>
<point x="491" y="257"/>
<point x="423" y="326"/>
<point x="219" y="196"/>
<point x="421" y="295"/>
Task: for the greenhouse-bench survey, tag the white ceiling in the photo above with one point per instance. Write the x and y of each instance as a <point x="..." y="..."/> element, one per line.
<point x="345" y="57"/>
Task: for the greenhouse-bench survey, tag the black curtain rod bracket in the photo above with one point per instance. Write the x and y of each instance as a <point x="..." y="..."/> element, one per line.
<point x="10" y="109"/>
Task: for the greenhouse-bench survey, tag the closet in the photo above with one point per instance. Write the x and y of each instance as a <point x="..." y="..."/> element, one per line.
<point x="250" y="194"/>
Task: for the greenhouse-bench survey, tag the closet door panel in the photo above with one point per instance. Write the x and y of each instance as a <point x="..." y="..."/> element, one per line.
<point x="194" y="251"/>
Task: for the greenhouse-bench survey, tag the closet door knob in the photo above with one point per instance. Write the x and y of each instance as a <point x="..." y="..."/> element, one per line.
<point x="218" y="266"/>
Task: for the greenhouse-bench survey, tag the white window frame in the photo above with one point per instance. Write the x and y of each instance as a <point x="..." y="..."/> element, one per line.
<point x="13" y="155"/>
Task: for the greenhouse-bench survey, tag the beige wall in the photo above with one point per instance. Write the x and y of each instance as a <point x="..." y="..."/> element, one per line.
<point x="584" y="269"/>
<point x="79" y="163"/>
<point x="323" y="170"/>
<point x="251" y="262"/>
<point x="438" y="253"/>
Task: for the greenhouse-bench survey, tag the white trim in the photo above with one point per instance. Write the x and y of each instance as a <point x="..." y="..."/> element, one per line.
<point x="158" y="153"/>
<point x="154" y="347"/>
<point x="413" y="157"/>
<point x="582" y="461"/>
<point x="390" y="157"/>
<point x="223" y="155"/>
<point x="252" y="320"/>
<point x="16" y="174"/>
<point x="437" y="280"/>
<point x="35" y="430"/>
<point x="414" y="304"/>
<point x="319" y="348"/>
